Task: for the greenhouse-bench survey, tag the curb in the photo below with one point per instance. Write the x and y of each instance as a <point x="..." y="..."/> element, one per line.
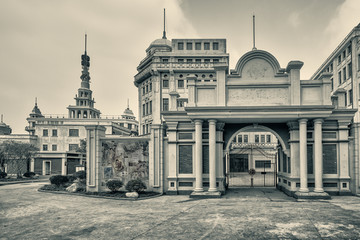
<point x="18" y="182"/>
<point x="97" y="196"/>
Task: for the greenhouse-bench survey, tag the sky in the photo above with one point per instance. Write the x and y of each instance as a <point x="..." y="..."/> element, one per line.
<point x="41" y="43"/>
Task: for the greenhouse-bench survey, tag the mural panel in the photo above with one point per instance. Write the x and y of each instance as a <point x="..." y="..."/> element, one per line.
<point x="125" y="160"/>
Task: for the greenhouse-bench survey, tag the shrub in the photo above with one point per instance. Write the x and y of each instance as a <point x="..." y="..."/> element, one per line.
<point x="3" y="174"/>
<point x="29" y="174"/>
<point x="71" y="178"/>
<point x="135" y="186"/>
<point x="80" y="174"/>
<point x="58" y="180"/>
<point x="114" y="185"/>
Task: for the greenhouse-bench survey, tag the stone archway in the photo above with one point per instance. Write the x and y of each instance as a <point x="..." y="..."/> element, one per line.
<point x="262" y="156"/>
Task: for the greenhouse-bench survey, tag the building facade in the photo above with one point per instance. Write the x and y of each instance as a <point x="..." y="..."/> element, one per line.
<point x="343" y="67"/>
<point x="193" y="107"/>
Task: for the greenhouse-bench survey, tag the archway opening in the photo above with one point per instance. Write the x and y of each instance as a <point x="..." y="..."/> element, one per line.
<point x="253" y="156"/>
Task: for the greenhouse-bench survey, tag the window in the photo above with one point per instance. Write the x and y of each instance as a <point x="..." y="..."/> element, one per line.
<point x="165" y="83"/>
<point x="329" y="159"/>
<point x="147" y="88"/>
<point x="180" y="83"/>
<point x="310" y="161"/>
<point x="73" y="147"/>
<point x="215" y="46"/>
<point x="185" y="159"/>
<point x="143" y="107"/>
<point x="180" y="46"/>
<point x="268" y="138"/>
<point x="344" y="54"/>
<point x="129" y="126"/>
<point x="240" y="140"/>
<point x="284" y="163"/>
<point x="144" y="129"/>
<point x="339" y="59"/>
<point x="185" y="136"/>
<point x="263" y="164"/>
<point x="346" y="101"/>
<point x="349" y="49"/>
<point x="45" y="132"/>
<point x="150" y="107"/>
<point x="181" y="102"/>
<point x="150" y="87"/>
<point x="180" y="60"/>
<point x="339" y="75"/>
<point x="73" y="132"/>
<point x="206" y="46"/>
<point x="189" y="60"/>
<point x="256" y="138"/>
<point x="147" y="128"/>
<point x="205" y="158"/>
<point x="198" y="46"/>
<point x="54" y="132"/>
<point x="165" y="104"/>
<point x="198" y="60"/>
<point x="45" y="147"/>
<point x="350" y="96"/>
<point x="344" y="73"/>
<point x="189" y="46"/>
<point x="262" y="138"/>
<point x="165" y="60"/>
<point x="147" y="108"/>
<point x="54" y="147"/>
<point x="143" y="90"/>
<point x="215" y="60"/>
<point x="332" y="84"/>
<point x="349" y="70"/>
<point x="207" y="60"/>
<point x="246" y="138"/>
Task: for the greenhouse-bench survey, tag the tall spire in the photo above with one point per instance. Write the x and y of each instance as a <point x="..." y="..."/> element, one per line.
<point x="35" y="101"/>
<point x="254" y="48"/>
<point x="164" y="32"/>
<point x="1" y="118"/>
<point x="85" y="42"/>
<point x="85" y="63"/>
<point x="128" y="104"/>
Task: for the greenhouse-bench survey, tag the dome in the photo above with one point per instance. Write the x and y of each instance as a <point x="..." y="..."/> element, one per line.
<point x="128" y="112"/>
<point x="158" y="43"/>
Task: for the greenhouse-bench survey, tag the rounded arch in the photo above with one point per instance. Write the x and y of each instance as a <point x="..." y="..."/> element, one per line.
<point x="252" y="127"/>
<point x="256" y="54"/>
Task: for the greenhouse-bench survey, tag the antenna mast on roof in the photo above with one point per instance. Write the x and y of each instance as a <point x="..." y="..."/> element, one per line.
<point x="254" y="48"/>
<point x="1" y="118"/>
<point x="85" y="42"/>
<point x="35" y="101"/>
<point x="128" y="104"/>
<point x="164" y="33"/>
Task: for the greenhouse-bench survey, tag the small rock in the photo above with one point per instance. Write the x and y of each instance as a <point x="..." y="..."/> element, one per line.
<point x="132" y="195"/>
<point x="72" y="188"/>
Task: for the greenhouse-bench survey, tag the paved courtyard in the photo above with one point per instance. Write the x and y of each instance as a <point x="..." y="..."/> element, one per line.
<point x="260" y="213"/>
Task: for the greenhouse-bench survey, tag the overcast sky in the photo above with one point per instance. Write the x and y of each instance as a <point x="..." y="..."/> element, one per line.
<point x="41" y="42"/>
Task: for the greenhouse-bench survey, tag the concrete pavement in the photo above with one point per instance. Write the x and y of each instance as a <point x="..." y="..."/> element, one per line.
<point x="259" y="213"/>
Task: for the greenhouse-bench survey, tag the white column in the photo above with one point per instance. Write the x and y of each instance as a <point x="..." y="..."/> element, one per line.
<point x="212" y="155"/>
<point x="198" y="156"/>
<point x="63" y="166"/>
<point x="318" y="166"/>
<point x="303" y="155"/>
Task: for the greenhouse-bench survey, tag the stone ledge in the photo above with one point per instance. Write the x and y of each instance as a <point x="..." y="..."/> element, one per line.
<point x="206" y="194"/>
<point x="311" y="195"/>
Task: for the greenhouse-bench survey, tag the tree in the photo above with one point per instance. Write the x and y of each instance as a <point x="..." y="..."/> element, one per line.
<point x="17" y="156"/>
<point x="82" y="149"/>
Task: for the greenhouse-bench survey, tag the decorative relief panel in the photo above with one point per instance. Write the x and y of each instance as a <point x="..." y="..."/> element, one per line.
<point x="257" y="69"/>
<point x="257" y="96"/>
<point x="311" y="96"/>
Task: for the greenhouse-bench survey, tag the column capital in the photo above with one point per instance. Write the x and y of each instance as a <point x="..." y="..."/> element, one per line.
<point x="318" y="120"/>
<point x="212" y="121"/>
<point x="303" y="120"/>
<point x="198" y="121"/>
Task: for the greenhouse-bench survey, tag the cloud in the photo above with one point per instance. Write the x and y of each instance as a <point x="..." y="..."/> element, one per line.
<point x="42" y="41"/>
<point x="294" y="19"/>
<point x="346" y="18"/>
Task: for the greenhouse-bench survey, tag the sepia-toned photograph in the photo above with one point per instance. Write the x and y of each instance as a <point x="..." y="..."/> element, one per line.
<point x="179" y="119"/>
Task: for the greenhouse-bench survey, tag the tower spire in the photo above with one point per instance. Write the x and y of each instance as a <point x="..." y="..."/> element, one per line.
<point x="128" y="104"/>
<point x="85" y="42"/>
<point x="254" y="48"/>
<point x="1" y="118"/>
<point x="164" y="32"/>
<point x="35" y="101"/>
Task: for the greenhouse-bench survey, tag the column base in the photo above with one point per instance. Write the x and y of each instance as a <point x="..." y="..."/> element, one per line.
<point x="198" y="190"/>
<point x="303" y="190"/>
<point x="202" y="195"/>
<point x="311" y="195"/>
<point x="212" y="190"/>
<point x="318" y="190"/>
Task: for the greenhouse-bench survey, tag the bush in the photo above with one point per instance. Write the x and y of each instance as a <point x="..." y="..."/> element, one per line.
<point x="135" y="186"/>
<point x="80" y="174"/>
<point x="71" y="178"/>
<point x="114" y="185"/>
<point x="29" y="174"/>
<point x="3" y="174"/>
<point x="58" y="180"/>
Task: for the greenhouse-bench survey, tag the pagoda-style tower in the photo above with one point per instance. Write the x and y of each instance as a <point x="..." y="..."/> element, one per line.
<point x="33" y="116"/>
<point x="84" y="107"/>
